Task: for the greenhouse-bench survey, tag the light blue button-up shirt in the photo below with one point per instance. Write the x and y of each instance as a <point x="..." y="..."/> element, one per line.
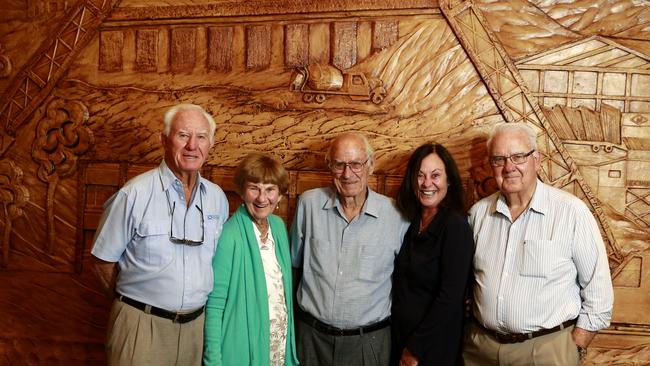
<point x="546" y="267"/>
<point x="346" y="266"/>
<point x="135" y="232"/>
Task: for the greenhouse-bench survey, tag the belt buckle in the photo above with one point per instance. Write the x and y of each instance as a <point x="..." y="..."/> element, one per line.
<point x="337" y="332"/>
<point x="177" y="318"/>
<point x="509" y="337"/>
<point x="502" y="337"/>
<point x="518" y="337"/>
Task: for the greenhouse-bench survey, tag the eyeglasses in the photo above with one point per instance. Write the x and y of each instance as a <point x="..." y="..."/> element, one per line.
<point x="520" y="158"/>
<point x="355" y="166"/>
<point x="185" y="241"/>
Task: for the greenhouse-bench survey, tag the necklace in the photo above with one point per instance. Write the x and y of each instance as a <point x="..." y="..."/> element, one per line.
<point x="263" y="227"/>
<point x="424" y="223"/>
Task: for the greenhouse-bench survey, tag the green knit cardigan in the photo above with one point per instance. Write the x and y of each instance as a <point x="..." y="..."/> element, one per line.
<point x="237" y="312"/>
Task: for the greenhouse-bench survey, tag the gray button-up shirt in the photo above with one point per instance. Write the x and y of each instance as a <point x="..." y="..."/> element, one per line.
<point x="346" y="266"/>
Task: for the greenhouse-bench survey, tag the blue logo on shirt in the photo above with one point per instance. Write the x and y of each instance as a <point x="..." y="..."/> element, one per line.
<point x="213" y="217"/>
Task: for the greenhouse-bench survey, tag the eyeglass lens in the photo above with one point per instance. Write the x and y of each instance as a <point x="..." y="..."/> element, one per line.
<point x="355" y="166"/>
<point x="500" y="160"/>
<point x="185" y="241"/>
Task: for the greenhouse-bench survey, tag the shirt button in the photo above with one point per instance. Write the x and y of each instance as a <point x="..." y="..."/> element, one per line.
<point x="500" y="297"/>
<point x="341" y="272"/>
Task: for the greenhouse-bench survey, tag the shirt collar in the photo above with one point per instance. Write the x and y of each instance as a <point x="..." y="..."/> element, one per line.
<point x="436" y="225"/>
<point x="539" y="203"/>
<point x="370" y="207"/>
<point x="168" y="178"/>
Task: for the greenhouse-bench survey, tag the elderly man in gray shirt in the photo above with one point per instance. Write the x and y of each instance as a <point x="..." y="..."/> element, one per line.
<point x="345" y="239"/>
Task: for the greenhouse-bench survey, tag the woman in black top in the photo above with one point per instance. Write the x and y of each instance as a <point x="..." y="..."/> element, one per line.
<point x="433" y="265"/>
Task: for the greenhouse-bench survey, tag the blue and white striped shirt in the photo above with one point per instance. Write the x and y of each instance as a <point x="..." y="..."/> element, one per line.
<point x="546" y="267"/>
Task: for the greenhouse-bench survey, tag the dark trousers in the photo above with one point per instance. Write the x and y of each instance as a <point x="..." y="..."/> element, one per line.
<point x="319" y="349"/>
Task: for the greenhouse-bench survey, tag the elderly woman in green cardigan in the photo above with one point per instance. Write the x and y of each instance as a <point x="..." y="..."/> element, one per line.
<point x="249" y="314"/>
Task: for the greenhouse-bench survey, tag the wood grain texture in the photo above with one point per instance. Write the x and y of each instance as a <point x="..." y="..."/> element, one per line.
<point x="384" y="34"/>
<point x="296" y="46"/>
<point x="30" y="86"/>
<point x="258" y="46"/>
<point x="586" y="71"/>
<point x="146" y="50"/>
<point x="220" y="48"/>
<point x="182" y="52"/>
<point x="344" y="44"/>
<point x="111" y="44"/>
<point x="319" y="43"/>
<point x="136" y="10"/>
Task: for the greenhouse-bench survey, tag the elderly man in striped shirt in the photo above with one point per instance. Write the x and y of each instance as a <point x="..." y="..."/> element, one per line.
<point x="542" y="284"/>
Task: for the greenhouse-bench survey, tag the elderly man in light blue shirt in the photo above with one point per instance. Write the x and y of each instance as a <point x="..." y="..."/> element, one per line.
<point x="344" y="241"/>
<point x="154" y="248"/>
<point x="542" y="283"/>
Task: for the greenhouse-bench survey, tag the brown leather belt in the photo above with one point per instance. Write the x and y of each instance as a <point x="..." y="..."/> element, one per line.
<point x="175" y="317"/>
<point x="521" y="337"/>
<point x="334" y="331"/>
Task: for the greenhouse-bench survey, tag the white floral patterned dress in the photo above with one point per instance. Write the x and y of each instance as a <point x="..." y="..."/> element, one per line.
<point x="278" y="317"/>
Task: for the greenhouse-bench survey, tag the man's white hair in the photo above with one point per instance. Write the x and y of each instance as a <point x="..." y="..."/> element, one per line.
<point x="170" y="114"/>
<point x="370" y="152"/>
<point x="512" y="127"/>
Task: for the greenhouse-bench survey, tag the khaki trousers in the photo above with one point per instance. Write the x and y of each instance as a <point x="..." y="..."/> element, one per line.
<point x="555" y="349"/>
<point x="138" y="338"/>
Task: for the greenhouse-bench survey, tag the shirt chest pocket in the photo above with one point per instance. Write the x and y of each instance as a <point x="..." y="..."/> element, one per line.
<point x="541" y="258"/>
<point x="151" y="245"/>
<point x="212" y="229"/>
<point x="374" y="263"/>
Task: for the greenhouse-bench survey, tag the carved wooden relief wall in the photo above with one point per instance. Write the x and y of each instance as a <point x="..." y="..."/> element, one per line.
<point x="85" y="83"/>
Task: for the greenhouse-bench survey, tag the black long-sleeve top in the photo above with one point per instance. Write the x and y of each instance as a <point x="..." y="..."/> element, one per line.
<point x="429" y="282"/>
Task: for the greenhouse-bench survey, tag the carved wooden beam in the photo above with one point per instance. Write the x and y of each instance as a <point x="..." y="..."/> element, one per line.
<point x="263" y="7"/>
<point x="516" y="103"/>
<point x="31" y="85"/>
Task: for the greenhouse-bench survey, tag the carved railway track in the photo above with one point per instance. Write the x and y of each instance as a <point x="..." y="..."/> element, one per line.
<point x="518" y="105"/>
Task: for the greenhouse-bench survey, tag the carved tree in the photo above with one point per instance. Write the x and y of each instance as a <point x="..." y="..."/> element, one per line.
<point x="60" y="138"/>
<point x="13" y="196"/>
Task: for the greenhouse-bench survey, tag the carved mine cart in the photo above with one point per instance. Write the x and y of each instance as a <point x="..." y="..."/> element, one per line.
<point x="316" y="82"/>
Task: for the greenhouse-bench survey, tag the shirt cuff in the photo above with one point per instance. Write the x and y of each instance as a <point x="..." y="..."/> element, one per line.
<point x="594" y="322"/>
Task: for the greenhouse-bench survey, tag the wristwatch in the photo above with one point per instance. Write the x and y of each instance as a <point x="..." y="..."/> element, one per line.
<point x="582" y="352"/>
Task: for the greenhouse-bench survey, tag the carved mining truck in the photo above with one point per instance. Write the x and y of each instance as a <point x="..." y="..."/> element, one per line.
<point x="316" y="82"/>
